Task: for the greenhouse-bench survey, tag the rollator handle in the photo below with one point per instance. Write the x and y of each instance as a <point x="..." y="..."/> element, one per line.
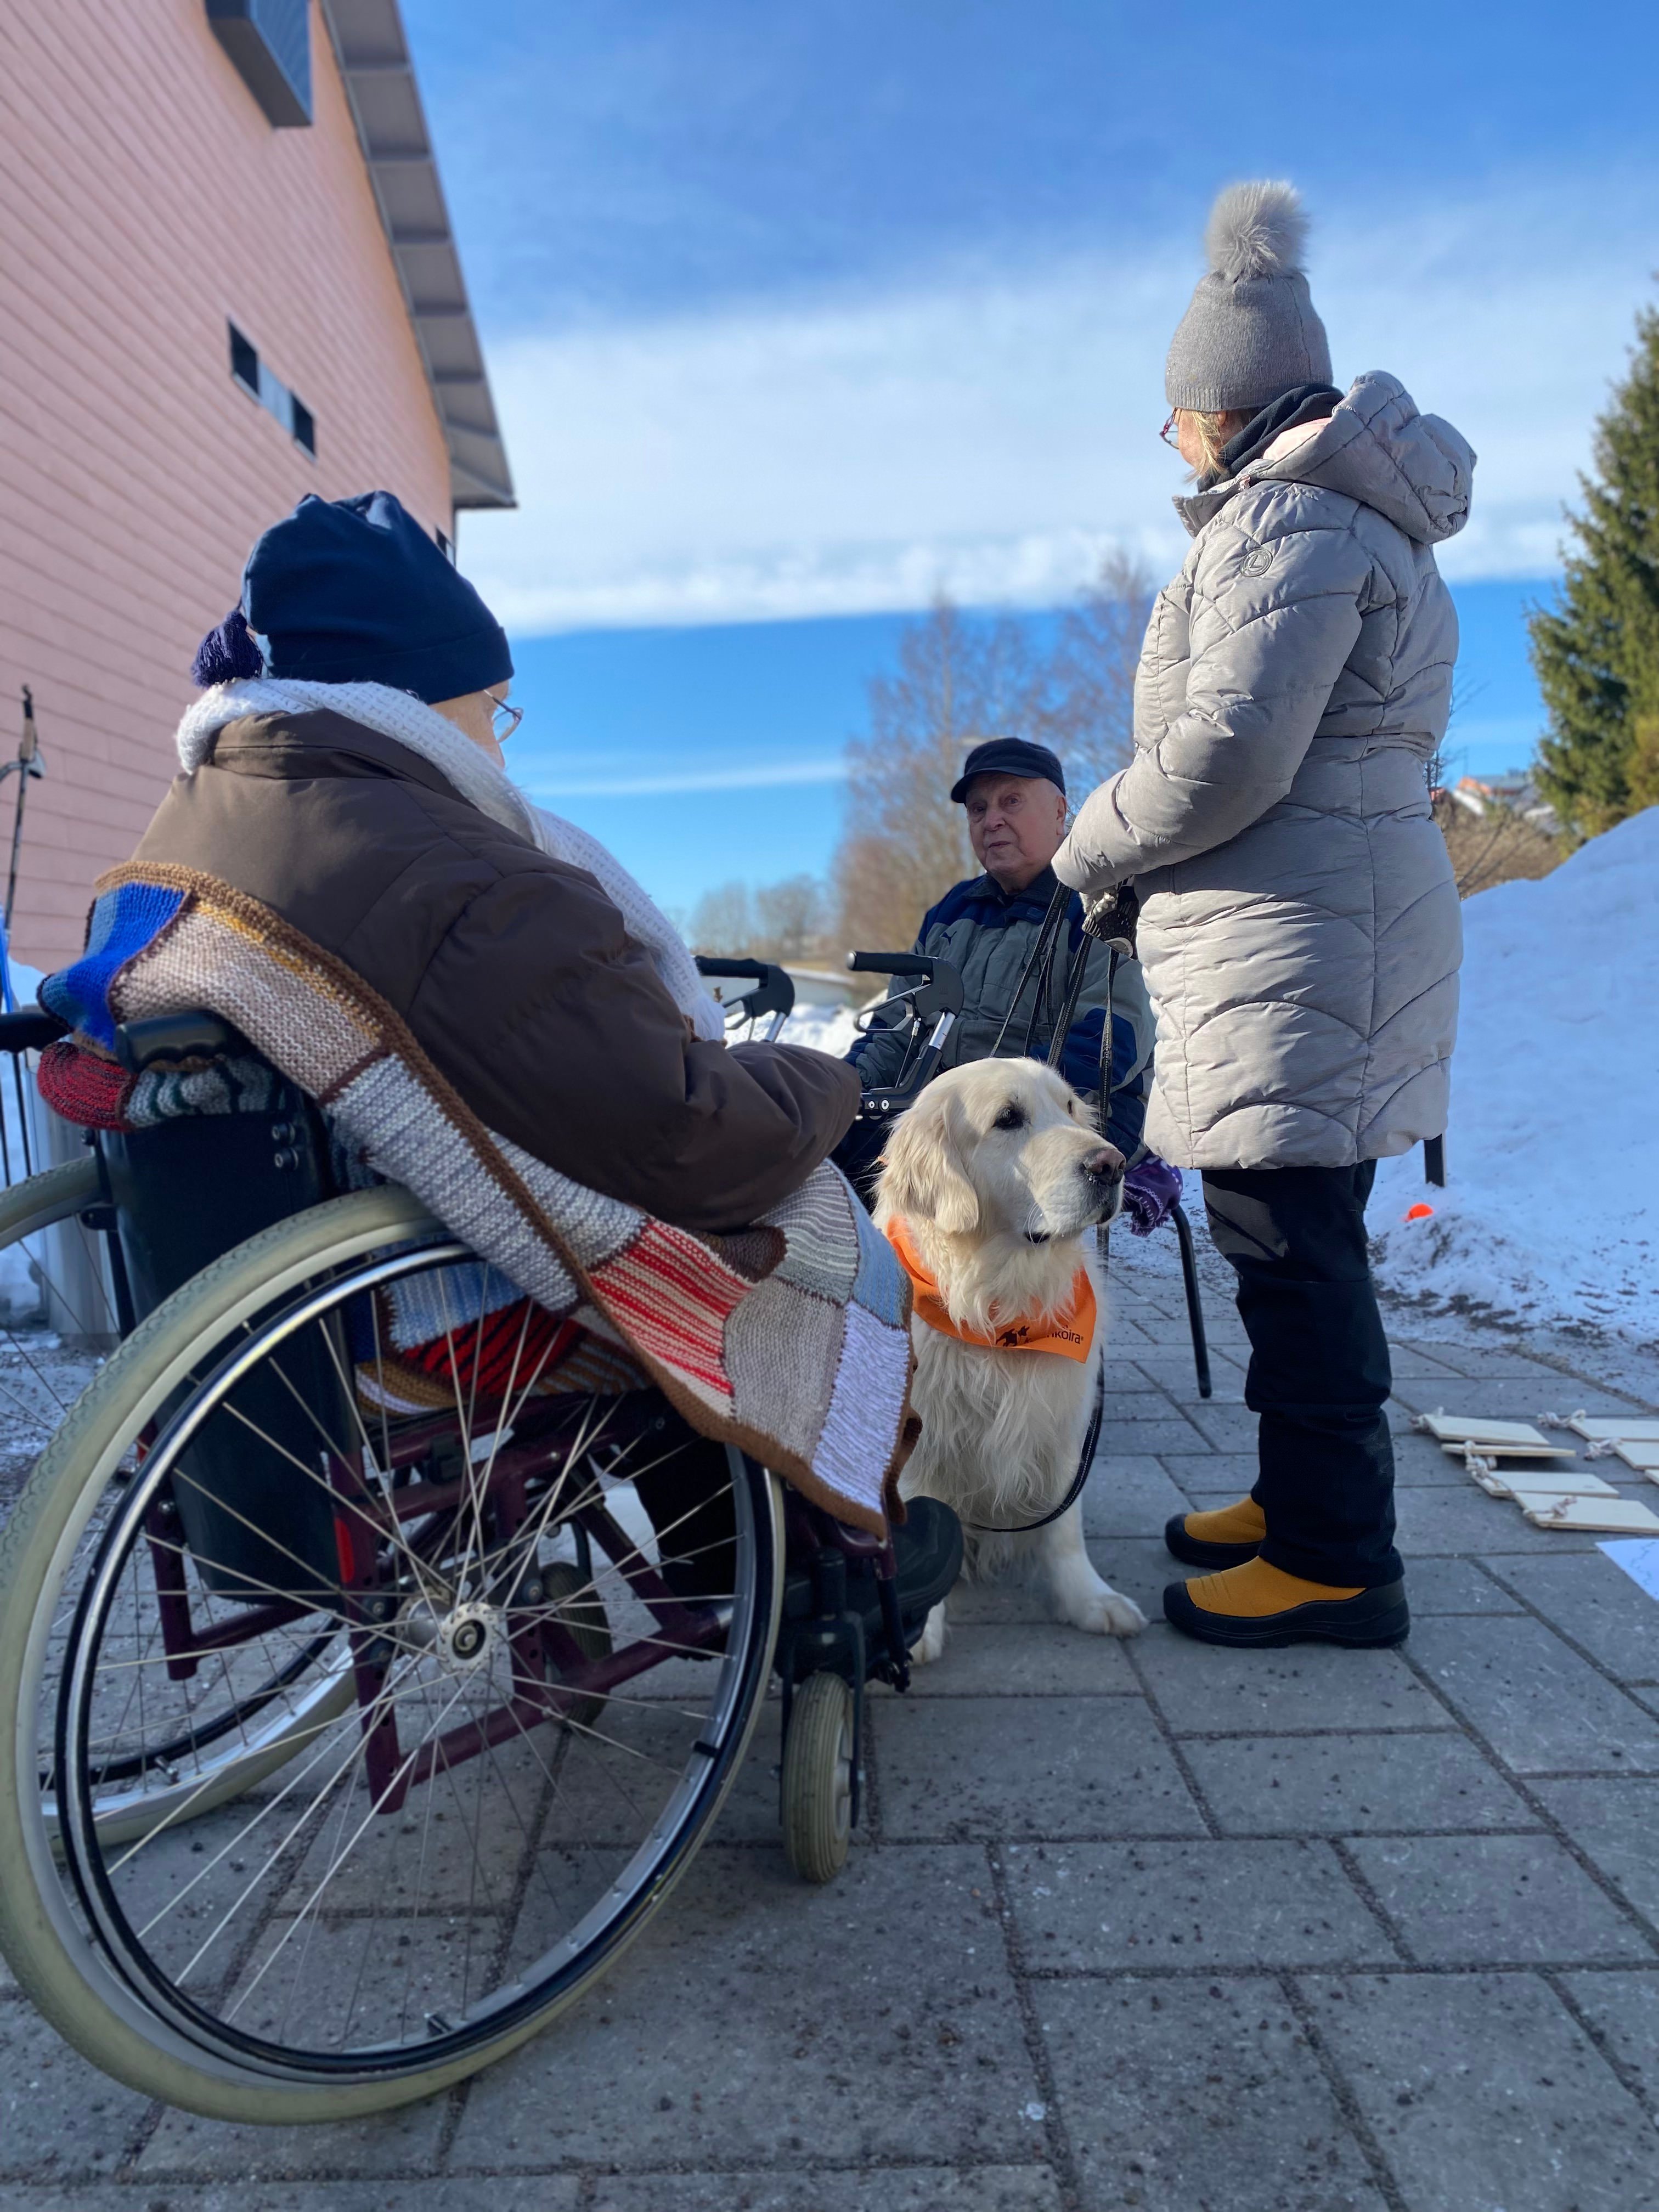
<point x="941" y="988"/>
<point x="889" y="964"/>
<point x="936" y="998"/>
<point x="773" y="993"/>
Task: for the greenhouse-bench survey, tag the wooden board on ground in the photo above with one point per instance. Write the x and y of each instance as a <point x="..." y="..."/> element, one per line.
<point x="1538" y="1482"/>
<point x="1509" y="1451"/>
<point x="1503" y="1437"/>
<point x="1617" y="1516"/>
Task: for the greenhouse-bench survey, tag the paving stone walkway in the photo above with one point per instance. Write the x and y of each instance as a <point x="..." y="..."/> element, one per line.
<point x="1152" y="1926"/>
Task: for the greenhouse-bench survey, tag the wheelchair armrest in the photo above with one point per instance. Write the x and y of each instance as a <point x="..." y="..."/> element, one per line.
<point x="167" y="1038"/>
<point x="31" y="1028"/>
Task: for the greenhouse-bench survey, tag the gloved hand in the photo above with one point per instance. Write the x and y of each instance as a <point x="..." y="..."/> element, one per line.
<point x="1151" y="1188"/>
<point x="1111" y="915"/>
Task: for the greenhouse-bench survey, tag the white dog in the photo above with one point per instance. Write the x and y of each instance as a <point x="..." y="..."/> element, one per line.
<point x="991" y="1187"/>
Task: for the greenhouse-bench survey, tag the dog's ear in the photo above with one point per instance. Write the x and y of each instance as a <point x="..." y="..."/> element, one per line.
<point x="923" y="1172"/>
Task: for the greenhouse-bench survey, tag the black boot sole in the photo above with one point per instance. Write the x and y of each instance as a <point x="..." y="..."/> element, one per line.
<point x="1197" y="1554"/>
<point x="1376" y="1620"/>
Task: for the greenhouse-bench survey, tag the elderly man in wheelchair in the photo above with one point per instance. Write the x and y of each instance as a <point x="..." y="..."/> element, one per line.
<point x="386" y="1623"/>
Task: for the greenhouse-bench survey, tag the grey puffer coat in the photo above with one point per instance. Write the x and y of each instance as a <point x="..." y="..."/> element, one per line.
<point x="1299" y="925"/>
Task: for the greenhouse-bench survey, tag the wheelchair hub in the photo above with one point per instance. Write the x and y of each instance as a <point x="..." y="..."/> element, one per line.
<point x="468" y="1637"/>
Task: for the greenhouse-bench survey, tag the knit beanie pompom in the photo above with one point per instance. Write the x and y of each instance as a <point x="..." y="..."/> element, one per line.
<point x="1256" y="230"/>
<point x="1251" y="332"/>
<point x="226" y="655"/>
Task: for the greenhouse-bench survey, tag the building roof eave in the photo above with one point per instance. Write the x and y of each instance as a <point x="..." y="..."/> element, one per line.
<point x="373" y="59"/>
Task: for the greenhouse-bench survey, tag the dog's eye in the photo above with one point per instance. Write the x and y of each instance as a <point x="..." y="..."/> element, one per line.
<point x="1012" y="1117"/>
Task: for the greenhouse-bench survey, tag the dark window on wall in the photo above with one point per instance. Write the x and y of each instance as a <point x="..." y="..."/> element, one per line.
<point x="261" y="383"/>
<point x="243" y="363"/>
<point x="269" y="43"/>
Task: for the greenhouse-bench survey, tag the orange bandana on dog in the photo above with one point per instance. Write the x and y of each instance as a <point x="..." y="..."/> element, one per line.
<point x="1070" y="1334"/>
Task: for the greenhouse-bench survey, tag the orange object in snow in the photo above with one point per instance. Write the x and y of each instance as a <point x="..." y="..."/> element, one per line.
<point x="1419" y="1211"/>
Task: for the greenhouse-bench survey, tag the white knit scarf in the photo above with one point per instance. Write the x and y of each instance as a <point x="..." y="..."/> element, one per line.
<point x="409" y="721"/>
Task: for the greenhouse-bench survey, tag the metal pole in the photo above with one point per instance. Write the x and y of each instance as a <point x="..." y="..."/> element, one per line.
<point x="27" y="765"/>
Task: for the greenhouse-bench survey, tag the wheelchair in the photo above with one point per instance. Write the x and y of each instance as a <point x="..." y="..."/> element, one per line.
<point x="371" y="1674"/>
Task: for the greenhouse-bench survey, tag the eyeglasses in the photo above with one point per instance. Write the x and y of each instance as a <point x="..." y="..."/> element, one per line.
<point x="504" y="717"/>
<point x="1168" y="427"/>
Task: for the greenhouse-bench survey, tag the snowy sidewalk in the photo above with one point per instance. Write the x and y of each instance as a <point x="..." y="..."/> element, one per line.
<point x="1152" y="1926"/>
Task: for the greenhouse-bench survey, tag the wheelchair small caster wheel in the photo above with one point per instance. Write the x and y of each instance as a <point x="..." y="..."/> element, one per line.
<point x="569" y="1595"/>
<point x="817" y="1779"/>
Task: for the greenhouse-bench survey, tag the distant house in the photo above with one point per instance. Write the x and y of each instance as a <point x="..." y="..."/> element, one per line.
<point x="227" y="279"/>
<point x="1514" y="793"/>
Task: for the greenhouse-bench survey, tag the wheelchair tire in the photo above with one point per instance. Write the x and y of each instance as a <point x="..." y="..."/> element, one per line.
<point x="817" y="1777"/>
<point x="43" y="1200"/>
<point x="73" y="1939"/>
<point x="46" y="1200"/>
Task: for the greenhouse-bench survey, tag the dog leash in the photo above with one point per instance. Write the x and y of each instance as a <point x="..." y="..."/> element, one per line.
<point x="1086" y="1461"/>
<point x="1112" y="919"/>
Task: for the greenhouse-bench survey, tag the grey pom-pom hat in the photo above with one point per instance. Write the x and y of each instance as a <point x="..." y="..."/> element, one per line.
<point x="1251" y="332"/>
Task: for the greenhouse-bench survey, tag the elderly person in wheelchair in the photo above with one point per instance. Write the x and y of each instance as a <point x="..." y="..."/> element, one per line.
<point x="422" y="1547"/>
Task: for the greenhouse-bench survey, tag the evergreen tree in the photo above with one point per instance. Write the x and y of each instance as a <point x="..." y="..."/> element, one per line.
<point x="1596" y="651"/>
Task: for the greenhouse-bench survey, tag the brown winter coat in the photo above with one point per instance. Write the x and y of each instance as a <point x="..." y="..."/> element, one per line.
<point x="515" y="971"/>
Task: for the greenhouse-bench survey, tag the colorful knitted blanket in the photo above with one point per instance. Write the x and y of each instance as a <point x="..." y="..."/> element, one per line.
<point x="790" y="1339"/>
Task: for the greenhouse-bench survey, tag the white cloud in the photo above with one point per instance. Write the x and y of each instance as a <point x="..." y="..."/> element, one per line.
<point x="749" y="775"/>
<point x="993" y="432"/>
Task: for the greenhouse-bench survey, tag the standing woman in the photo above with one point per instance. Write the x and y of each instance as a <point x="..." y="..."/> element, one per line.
<point x="1299" y="926"/>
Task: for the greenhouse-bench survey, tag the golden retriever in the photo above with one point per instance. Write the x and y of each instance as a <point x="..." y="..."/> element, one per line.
<point x="999" y="1184"/>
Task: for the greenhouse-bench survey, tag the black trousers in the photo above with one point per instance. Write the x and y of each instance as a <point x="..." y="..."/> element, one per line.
<point x="1319" y="1374"/>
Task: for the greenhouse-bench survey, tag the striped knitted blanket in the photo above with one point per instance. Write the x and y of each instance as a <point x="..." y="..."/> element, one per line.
<point x="790" y="1339"/>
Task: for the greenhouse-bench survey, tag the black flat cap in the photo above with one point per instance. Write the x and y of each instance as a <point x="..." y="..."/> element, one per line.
<point x="1008" y="757"/>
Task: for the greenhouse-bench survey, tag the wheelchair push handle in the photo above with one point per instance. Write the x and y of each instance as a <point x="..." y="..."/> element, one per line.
<point x="773" y="993"/>
<point x="168" y="1040"/>
<point x="31" y="1028"/>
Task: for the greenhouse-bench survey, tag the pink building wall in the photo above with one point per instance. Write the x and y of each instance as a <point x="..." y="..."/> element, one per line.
<point x="145" y="203"/>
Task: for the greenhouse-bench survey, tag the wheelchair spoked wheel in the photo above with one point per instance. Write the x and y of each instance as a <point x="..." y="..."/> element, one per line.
<point x="817" y="1777"/>
<point x="233" y="1735"/>
<point x="520" y="1704"/>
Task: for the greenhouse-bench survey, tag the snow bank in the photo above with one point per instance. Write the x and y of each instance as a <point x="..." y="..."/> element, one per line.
<point x="1551" y="1215"/>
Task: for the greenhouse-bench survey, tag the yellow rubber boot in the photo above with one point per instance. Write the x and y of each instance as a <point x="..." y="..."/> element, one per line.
<point x="1260" y="1604"/>
<point x="1225" y="1539"/>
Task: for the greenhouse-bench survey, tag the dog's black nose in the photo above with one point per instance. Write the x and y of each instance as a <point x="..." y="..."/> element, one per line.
<point x="1104" y="1167"/>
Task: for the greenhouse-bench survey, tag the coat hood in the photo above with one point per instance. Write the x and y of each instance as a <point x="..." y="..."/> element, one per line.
<point x="1415" y="469"/>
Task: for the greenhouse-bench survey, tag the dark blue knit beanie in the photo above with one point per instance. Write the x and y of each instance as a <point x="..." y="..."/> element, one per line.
<point x="353" y="591"/>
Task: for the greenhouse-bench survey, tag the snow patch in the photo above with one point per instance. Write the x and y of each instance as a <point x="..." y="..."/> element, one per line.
<point x="1551" y="1217"/>
<point x="828" y="1029"/>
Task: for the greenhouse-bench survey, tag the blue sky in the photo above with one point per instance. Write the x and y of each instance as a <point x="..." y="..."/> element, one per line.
<point x="795" y="315"/>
